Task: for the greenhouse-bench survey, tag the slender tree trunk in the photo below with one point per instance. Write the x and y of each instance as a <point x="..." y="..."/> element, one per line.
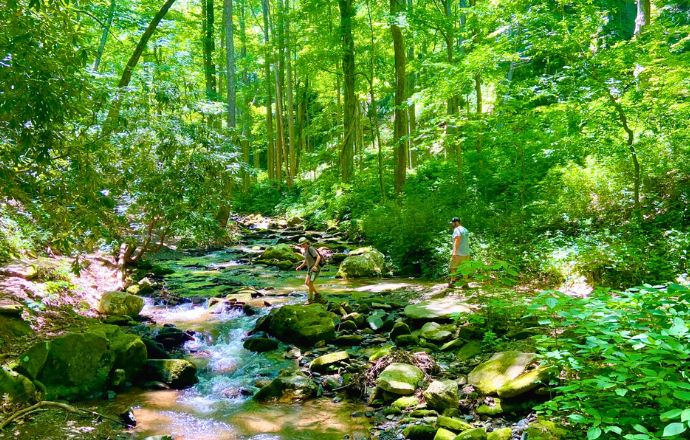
<point x="230" y="64"/>
<point x="114" y="111"/>
<point x="630" y="142"/>
<point x="411" y="116"/>
<point x="270" y="147"/>
<point x="290" y="94"/>
<point x="350" y="104"/>
<point x="478" y="95"/>
<point x="207" y="12"/>
<point x="452" y="102"/>
<point x="280" y="145"/>
<point x="373" y="112"/>
<point x="400" y="122"/>
<point x="644" y="15"/>
<point x="104" y="35"/>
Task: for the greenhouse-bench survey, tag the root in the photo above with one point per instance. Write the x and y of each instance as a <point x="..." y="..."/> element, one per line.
<point x="57" y="405"/>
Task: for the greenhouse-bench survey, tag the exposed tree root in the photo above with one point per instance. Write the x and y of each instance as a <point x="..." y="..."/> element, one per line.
<point x="57" y="405"/>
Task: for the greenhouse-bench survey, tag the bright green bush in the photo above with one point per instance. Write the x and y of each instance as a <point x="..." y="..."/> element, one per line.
<point x="624" y="361"/>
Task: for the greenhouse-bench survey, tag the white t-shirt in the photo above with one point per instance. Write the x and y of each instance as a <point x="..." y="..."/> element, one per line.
<point x="464" y="249"/>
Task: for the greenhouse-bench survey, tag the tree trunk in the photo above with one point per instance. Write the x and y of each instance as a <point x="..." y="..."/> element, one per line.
<point x="290" y="94"/>
<point x="411" y="116"/>
<point x="114" y="111"/>
<point x="350" y="105"/>
<point x="270" y="147"/>
<point x="230" y="64"/>
<point x="644" y="15"/>
<point x="478" y="95"/>
<point x="280" y="132"/>
<point x="207" y="12"/>
<point x="400" y="122"/>
<point x="630" y="142"/>
<point x="104" y="35"/>
<point x="373" y="112"/>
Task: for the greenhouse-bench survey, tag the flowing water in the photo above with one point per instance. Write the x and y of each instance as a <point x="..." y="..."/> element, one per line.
<point x="220" y="405"/>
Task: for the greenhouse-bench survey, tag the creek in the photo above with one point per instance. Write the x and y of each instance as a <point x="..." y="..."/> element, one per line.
<point x="220" y="406"/>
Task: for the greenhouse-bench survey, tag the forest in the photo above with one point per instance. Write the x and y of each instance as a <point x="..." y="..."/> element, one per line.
<point x="162" y="163"/>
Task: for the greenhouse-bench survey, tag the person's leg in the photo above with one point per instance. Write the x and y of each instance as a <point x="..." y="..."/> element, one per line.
<point x="452" y="269"/>
<point x="310" y="294"/>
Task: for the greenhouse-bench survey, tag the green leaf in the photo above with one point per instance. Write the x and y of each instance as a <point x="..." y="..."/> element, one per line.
<point x="593" y="433"/>
<point x="674" y="429"/>
<point x="682" y="395"/>
<point x="640" y="428"/>
<point x="670" y="415"/>
<point x="685" y="415"/>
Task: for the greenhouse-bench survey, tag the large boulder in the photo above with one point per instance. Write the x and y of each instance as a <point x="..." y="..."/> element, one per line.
<point x="400" y="379"/>
<point x="177" y="373"/>
<point x="129" y="350"/>
<point x="472" y="434"/>
<point x="362" y="262"/>
<point x="281" y="252"/>
<point x="290" y="386"/>
<point x="75" y="366"/>
<point x="500" y="369"/>
<point x="302" y="325"/>
<point x="80" y="365"/>
<point x="120" y="303"/>
<point x="442" y="395"/>
<point x="436" y="309"/>
<point x="16" y="387"/>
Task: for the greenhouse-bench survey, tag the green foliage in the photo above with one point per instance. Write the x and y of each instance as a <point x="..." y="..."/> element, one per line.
<point x="624" y="356"/>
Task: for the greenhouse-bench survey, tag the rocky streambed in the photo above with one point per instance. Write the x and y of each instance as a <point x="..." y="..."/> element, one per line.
<point x="222" y="345"/>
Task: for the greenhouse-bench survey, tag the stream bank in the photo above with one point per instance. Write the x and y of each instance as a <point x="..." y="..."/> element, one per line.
<point x="217" y="298"/>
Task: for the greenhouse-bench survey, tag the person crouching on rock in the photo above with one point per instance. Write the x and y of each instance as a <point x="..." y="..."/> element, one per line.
<point x="312" y="261"/>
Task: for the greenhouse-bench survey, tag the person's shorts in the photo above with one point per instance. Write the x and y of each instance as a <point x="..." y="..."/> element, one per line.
<point x="455" y="262"/>
<point x="314" y="275"/>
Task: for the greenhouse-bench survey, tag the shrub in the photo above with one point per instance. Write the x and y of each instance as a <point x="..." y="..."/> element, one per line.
<point x="624" y="358"/>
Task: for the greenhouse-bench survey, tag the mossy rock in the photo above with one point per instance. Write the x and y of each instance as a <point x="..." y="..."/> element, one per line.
<point x="362" y="262"/>
<point x="444" y="434"/>
<point x="120" y="303"/>
<point x="441" y="395"/>
<point x="399" y="328"/>
<point x="322" y="363"/>
<point x="406" y="340"/>
<point x="453" y="424"/>
<point x="435" y="332"/>
<point x="302" y="325"/>
<point x="260" y="344"/>
<point x="405" y="402"/>
<point x="500" y="369"/>
<point x="493" y="409"/>
<point x="420" y="432"/>
<point x="177" y="373"/>
<point x="472" y="434"/>
<point x="542" y="429"/>
<point x="401" y="379"/>
<point x="281" y="252"/>
<point x="12" y="327"/>
<point x="469" y="350"/>
<point x="524" y="383"/>
<point x="289" y="386"/>
<point x="500" y="434"/>
<point x="16" y="387"/>
<point x="442" y="309"/>
<point x="77" y="365"/>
